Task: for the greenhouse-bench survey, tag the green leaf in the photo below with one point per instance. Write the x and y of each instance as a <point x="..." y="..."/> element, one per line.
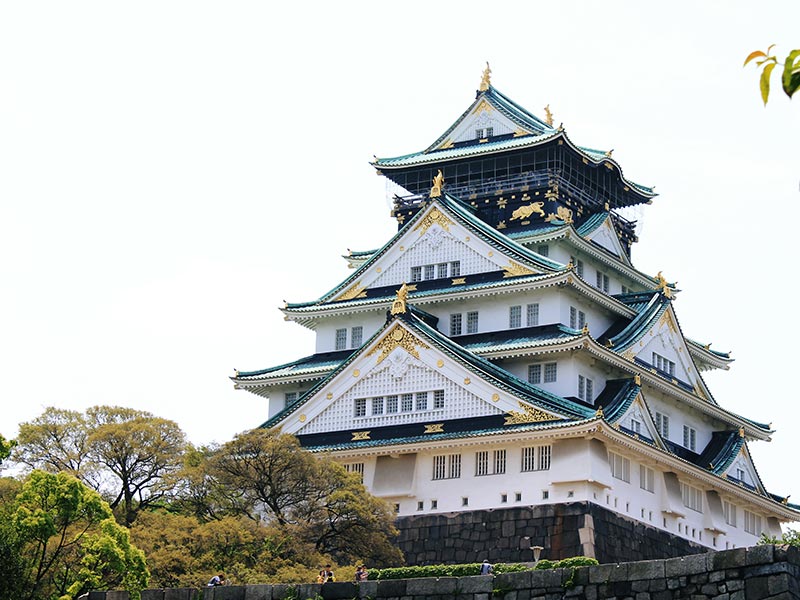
<point x="753" y="55"/>
<point x="791" y="73"/>
<point x="765" y="82"/>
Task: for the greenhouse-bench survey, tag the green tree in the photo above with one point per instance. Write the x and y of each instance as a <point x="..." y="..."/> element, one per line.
<point x="129" y="456"/>
<point x="5" y="448"/>
<point x="312" y="498"/>
<point x="790" y="78"/>
<point x="69" y="541"/>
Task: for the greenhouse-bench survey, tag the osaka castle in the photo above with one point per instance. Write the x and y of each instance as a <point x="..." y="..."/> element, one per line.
<point x="503" y="375"/>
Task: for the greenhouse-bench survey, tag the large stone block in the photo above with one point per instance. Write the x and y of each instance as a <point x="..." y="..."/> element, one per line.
<point x="337" y="591"/>
<point x="685" y="565"/>
<point x="759" y="555"/>
<point x="153" y="594"/>
<point x="258" y="592"/>
<point x="182" y="593"/>
<point x="647" y="569"/>
<point x="227" y="592"/>
<point x="117" y="595"/>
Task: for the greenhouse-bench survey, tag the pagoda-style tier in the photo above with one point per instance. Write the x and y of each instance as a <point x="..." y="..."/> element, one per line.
<point x="509" y="166"/>
<point x="501" y="350"/>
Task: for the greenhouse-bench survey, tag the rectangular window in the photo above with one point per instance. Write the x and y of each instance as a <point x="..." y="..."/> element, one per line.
<point x="434" y="504"/>
<point x="602" y="281"/>
<point x="503" y="498"/>
<point x="689" y="438"/>
<point x="692" y="497"/>
<point x="481" y="463"/>
<point x="439" y="467"/>
<point x="499" y="458"/>
<point x="455" y="324"/>
<point x="577" y="318"/>
<point x="355" y="468"/>
<point x="361" y="407"/>
<point x="377" y="406"/>
<point x="535" y="374"/>
<point x="472" y="322"/>
<point x="533" y="314"/>
<point x="455" y="268"/>
<point x="620" y="467"/>
<point x="416" y="273"/>
<point x="290" y="398"/>
<point x="536" y="458"/>
<point x="406" y="402"/>
<point x="662" y="424"/>
<point x="438" y="399"/>
<point x="391" y="404"/>
<point x="430" y="272"/>
<point x="422" y="400"/>
<point x="441" y="270"/>
<point x="454" y="466"/>
<point x="663" y="364"/>
<point x="585" y="389"/>
<point x="420" y="505"/>
<point x="356" y="333"/>
<point x="514" y="317"/>
<point x="752" y="523"/>
<point x="729" y="510"/>
<point x="544" y="250"/>
<point x="636" y="426"/>
<point x="647" y="478"/>
<point x="579" y="268"/>
<point x="341" y="339"/>
<point x="550" y="372"/>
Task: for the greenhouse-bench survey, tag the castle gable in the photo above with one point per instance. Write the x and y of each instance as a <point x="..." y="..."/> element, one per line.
<point x="607" y="237"/>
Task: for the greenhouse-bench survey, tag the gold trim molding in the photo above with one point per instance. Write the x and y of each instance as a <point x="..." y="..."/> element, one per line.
<point x="529" y="414"/>
<point x="357" y="291"/>
<point x="515" y="270"/>
<point x="398" y="337"/>
<point x="433" y="218"/>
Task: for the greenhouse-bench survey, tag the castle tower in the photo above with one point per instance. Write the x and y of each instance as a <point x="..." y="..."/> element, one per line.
<point x="502" y="373"/>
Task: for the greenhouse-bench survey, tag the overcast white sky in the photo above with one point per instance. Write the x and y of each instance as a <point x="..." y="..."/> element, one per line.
<point x="170" y="172"/>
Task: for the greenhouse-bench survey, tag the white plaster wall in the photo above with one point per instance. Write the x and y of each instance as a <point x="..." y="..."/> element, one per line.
<point x="326" y="330"/>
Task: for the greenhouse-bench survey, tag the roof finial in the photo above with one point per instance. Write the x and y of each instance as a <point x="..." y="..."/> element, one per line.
<point x="599" y="412"/>
<point x="548" y="116"/>
<point x="486" y="79"/>
<point x="438" y="184"/>
<point x="399" y="304"/>
<point x="663" y="286"/>
<point x="741" y="432"/>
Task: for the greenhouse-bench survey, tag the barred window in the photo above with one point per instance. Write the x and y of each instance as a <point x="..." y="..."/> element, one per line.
<point x="455" y="324"/>
<point x="430" y="272"/>
<point x="482" y="463"/>
<point x="536" y="458"/>
<point x="752" y="523"/>
<point x="533" y="314"/>
<point x="550" y="372"/>
<point x="441" y="270"/>
<point x="341" y="339"/>
<point x="499" y="457"/>
<point x="407" y="402"/>
<point x="729" y="510"/>
<point x="356" y="334"/>
<point x="483" y="466"/>
<point x="602" y="281"/>
<point x="416" y="273"/>
<point x="455" y="268"/>
<point x="535" y="373"/>
<point x="577" y="318"/>
<point x="585" y="388"/>
<point x="391" y="404"/>
<point x="543" y="249"/>
<point x="355" y="468"/>
<point x="689" y="438"/>
<point x="663" y="364"/>
<point x="514" y="317"/>
<point x="472" y="322"/>
<point x="361" y="407"/>
<point x="422" y="400"/>
<point x="620" y="467"/>
<point x="662" y="424"/>
<point x="447" y="466"/>
<point x="289" y="398"/>
<point x="438" y="399"/>
<point x="377" y="406"/>
<point x="692" y="497"/>
<point x="647" y="477"/>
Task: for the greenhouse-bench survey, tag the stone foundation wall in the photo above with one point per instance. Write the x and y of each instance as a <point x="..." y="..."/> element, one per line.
<point x="760" y="572"/>
<point x="563" y="530"/>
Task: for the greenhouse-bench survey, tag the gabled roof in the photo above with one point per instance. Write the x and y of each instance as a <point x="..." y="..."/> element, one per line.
<point x="456" y="211"/>
<point x="531" y="131"/>
<point x="533" y="395"/>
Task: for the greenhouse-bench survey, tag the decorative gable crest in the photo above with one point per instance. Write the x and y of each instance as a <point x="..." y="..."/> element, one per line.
<point x="397" y="337"/>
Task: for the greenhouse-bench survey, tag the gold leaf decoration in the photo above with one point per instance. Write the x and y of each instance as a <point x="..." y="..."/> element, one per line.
<point x="359" y="436"/>
<point x="398" y="337"/>
<point x="357" y="291"/>
<point x="434" y="217"/>
<point x="515" y="270"/>
<point x="434" y="428"/>
<point x="529" y="414"/>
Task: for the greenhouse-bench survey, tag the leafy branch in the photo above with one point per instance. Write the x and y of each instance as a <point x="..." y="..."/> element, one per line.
<point x="790" y="79"/>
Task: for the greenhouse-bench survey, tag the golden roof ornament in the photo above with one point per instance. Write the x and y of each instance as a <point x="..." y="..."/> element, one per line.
<point x="438" y="184"/>
<point x="548" y="116"/>
<point x="399" y="304"/>
<point x="663" y="286"/>
<point x="486" y="79"/>
<point x="599" y="412"/>
<point x="741" y="432"/>
<point x="637" y="379"/>
<point x="609" y="153"/>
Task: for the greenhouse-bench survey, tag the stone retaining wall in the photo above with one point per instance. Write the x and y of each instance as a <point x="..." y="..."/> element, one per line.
<point x="753" y="573"/>
<point x="506" y="535"/>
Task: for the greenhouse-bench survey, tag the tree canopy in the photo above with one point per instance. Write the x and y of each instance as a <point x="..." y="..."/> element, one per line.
<point x="61" y="540"/>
